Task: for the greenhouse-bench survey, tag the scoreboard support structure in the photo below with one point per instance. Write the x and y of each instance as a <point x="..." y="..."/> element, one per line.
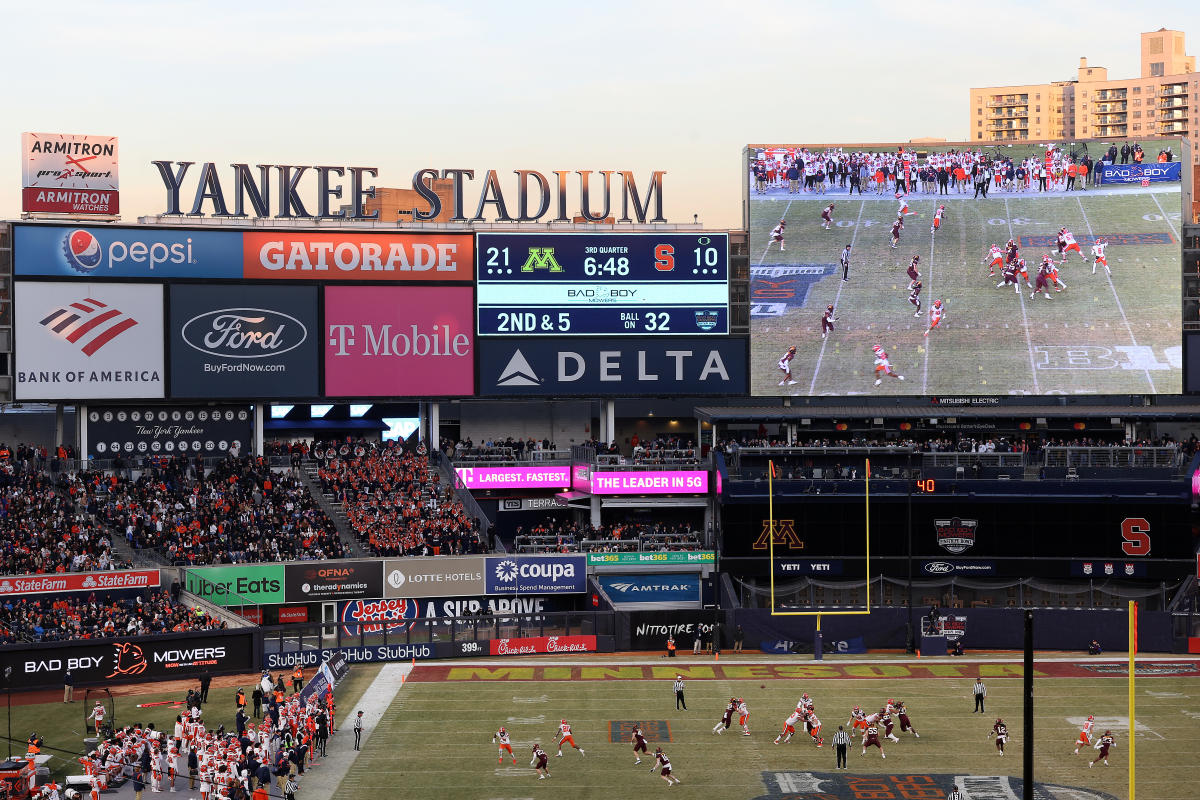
<point x="817" y="638"/>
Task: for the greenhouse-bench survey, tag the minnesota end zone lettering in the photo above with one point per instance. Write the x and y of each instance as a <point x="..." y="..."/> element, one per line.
<point x="796" y="785"/>
<point x="758" y="672"/>
<point x="784" y="534"/>
<point x="1093" y="357"/>
<point x="1087" y="240"/>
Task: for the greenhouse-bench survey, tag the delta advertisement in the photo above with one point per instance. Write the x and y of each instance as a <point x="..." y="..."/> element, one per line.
<point x="394" y="341"/>
<point x="352" y="256"/>
<point x="110" y="661"/>
<point x="85" y="341"/>
<point x="392" y="616"/>
<point x="59" y="583"/>
<point x="147" y="251"/>
<point x="650" y="482"/>
<point x="135" y="431"/>
<point x="251" y="340"/>
<point x="64" y="173"/>
<point x="558" y="477"/>
<point x="1156" y="172"/>
<point x="520" y="574"/>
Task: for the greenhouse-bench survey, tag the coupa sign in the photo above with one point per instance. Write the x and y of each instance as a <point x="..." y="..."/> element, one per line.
<point x="536" y="574"/>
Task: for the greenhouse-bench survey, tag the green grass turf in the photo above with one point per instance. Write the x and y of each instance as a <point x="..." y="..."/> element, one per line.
<point x="62" y="724"/>
<point x="435" y="740"/>
<point x="992" y="342"/>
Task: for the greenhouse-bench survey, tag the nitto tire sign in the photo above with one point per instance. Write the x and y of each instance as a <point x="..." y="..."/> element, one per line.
<point x="244" y="341"/>
<point x="135" y="432"/>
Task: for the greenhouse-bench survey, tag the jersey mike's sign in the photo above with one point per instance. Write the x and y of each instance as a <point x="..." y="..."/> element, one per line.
<point x="323" y="192"/>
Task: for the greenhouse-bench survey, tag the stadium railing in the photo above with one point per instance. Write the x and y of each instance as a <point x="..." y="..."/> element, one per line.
<point x="506" y="457"/>
<point x="440" y="462"/>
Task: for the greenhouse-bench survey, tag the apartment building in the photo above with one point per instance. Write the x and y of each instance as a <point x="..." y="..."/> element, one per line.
<point x="1163" y="102"/>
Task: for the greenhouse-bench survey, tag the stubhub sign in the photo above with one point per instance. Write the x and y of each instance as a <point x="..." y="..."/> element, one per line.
<point x="536" y="574"/>
<point x="632" y="367"/>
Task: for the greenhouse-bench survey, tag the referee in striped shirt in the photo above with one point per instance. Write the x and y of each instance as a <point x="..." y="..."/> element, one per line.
<point x="841" y="740"/>
<point x="679" y="701"/>
<point x="290" y="788"/>
<point x="955" y="794"/>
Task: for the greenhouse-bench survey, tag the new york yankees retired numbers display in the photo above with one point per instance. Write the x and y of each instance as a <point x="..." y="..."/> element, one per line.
<point x="603" y="284"/>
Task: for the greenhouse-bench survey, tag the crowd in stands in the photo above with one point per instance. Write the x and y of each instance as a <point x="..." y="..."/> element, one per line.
<point x="958" y="443"/>
<point x="70" y="617"/>
<point x="239" y="512"/>
<point x="395" y="503"/>
<point x="41" y="530"/>
<point x="553" y="536"/>
<point x="508" y="449"/>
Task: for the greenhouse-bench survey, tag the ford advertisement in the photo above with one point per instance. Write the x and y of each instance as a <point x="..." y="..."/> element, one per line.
<point x="247" y="341"/>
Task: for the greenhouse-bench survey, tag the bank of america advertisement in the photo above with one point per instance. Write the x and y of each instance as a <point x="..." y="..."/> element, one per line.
<point x="86" y="341"/>
<point x="244" y="341"/>
<point x="65" y="173"/>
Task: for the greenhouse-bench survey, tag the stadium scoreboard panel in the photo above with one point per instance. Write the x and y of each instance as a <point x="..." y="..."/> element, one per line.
<point x="602" y="284"/>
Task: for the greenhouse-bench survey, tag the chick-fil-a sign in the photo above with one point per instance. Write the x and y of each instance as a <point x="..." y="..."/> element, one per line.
<point x="650" y="482"/>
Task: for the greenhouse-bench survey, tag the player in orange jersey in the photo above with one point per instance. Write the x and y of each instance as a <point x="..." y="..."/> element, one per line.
<point x="936" y="315"/>
<point x="883" y="366"/>
<point x="743" y="716"/>
<point x="937" y="219"/>
<point x="813" y="726"/>
<point x="1098" y="256"/>
<point x="858" y="719"/>
<point x="1085" y="735"/>
<point x="501" y="736"/>
<point x="564" y="736"/>
<point x="994" y="259"/>
<point x="789" y="728"/>
<point x="1070" y="245"/>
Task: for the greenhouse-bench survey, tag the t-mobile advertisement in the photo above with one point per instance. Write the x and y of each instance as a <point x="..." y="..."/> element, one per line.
<point x="650" y="482"/>
<point x="515" y="477"/>
<point x="399" y="341"/>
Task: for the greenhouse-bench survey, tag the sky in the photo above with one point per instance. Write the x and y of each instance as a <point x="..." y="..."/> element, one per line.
<point x="641" y="86"/>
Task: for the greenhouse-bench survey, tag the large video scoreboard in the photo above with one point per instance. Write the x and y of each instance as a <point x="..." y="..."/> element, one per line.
<point x="602" y="284"/>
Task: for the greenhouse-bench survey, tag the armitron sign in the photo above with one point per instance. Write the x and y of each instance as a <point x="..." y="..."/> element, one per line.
<point x="64" y="173"/>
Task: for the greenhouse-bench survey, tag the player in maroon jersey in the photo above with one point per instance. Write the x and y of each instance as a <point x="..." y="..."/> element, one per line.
<point x="660" y="759"/>
<point x="897" y="226"/>
<point x="913" y="273"/>
<point x="914" y="297"/>
<point x="1103" y="744"/>
<point x="1011" y="253"/>
<point x="885" y="719"/>
<point x="871" y="737"/>
<point x="905" y="723"/>
<point x="827" y="320"/>
<point x="827" y="216"/>
<point x="726" y="717"/>
<point x="1000" y="731"/>
<point x="539" y="762"/>
<point x="1044" y="279"/>
<point x="1009" y="271"/>
<point x="639" y="744"/>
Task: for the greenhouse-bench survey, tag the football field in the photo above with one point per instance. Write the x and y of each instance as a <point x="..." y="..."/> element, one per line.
<point x="1110" y="334"/>
<point x="434" y="741"/>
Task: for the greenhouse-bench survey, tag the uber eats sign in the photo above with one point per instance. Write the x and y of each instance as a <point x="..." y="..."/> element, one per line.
<point x="235" y="586"/>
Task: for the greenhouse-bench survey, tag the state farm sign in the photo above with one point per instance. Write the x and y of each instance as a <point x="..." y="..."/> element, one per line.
<point x="349" y="256"/>
<point x="79" y="582"/>
<point x="543" y="644"/>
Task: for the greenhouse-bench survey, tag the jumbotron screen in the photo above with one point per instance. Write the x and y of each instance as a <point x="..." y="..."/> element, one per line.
<point x="887" y="269"/>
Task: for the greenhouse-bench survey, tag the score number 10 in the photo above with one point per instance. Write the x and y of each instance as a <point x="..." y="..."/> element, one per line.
<point x="664" y="260"/>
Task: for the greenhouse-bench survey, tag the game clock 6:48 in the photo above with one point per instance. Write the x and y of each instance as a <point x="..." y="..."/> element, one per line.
<point x="602" y="284"/>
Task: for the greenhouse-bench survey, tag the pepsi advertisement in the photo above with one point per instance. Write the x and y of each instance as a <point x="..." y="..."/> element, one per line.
<point x="244" y="341"/>
<point x="520" y="574"/>
<point x="608" y="284"/>
<point x="147" y="251"/>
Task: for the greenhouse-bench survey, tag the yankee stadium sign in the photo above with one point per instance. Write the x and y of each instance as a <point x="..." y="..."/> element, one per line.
<point x="532" y="196"/>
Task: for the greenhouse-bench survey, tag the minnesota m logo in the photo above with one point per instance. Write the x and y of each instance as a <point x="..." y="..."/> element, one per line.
<point x="784" y="533"/>
<point x="541" y="258"/>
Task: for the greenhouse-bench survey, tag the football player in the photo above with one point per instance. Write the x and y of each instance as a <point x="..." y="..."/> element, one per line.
<point x="936" y="315"/>
<point x="914" y="297"/>
<point x="827" y="320"/>
<point x="1106" y="741"/>
<point x="1098" y="256"/>
<point x="777" y="235"/>
<point x="1000" y="731"/>
<point x="827" y="216"/>
<point x="785" y="364"/>
<point x="883" y="366"/>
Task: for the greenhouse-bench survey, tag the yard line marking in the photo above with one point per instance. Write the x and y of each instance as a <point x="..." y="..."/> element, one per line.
<point x="1113" y="289"/>
<point x="1024" y="315"/>
<point x="841" y="285"/>
<point x="1166" y="216"/>
<point x="929" y="296"/>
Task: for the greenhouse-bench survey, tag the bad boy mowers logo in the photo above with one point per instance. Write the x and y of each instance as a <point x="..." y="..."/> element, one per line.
<point x="955" y="535"/>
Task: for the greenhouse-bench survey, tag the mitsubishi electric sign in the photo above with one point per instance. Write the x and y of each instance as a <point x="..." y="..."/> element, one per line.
<point x="536" y="574"/>
<point x="625" y="367"/>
